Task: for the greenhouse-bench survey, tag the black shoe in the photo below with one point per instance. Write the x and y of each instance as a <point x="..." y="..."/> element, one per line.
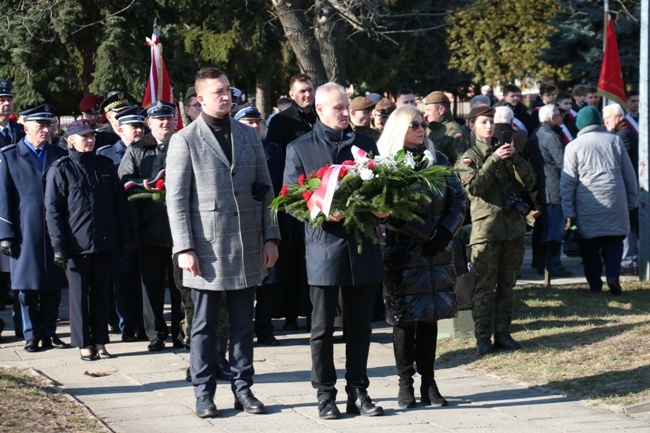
<point x="360" y="403"/>
<point x="141" y="336"/>
<point x="128" y="336"/>
<point x="484" y="345"/>
<point x="58" y="343"/>
<point x="248" y="403"/>
<point x="188" y="375"/>
<point x="503" y="340"/>
<point x="268" y="340"/>
<point x="327" y="410"/>
<point x="290" y="325"/>
<point x="90" y="357"/>
<point x="156" y="345"/>
<point x="32" y="346"/>
<point x="205" y="407"/>
<point x="46" y="343"/>
<point x="429" y="394"/>
<point x="614" y="287"/>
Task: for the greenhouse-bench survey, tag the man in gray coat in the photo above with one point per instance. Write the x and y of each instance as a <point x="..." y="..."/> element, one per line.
<point x="333" y="263"/>
<point x="598" y="188"/>
<point x="218" y="193"/>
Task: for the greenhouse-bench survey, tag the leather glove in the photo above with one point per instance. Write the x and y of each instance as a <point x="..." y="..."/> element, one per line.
<point x="9" y="247"/>
<point x="438" y="242"/>
<point x="61" y="259"/>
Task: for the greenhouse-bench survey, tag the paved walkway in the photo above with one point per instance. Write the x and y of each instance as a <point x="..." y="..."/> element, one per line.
<point x="146" y="392"/>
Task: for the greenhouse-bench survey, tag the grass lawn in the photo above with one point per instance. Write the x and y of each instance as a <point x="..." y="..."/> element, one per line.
<point x="591" y="346"/>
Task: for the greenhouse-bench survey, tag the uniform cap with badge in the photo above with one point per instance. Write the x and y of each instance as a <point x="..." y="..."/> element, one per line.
<point x="117" y="100"/>
<point x="80" y="127"/>
<point x="130" y="116"/>
<point x="385" y="107"/>
<point x="436" y="97"/>
<point x="43" y="113"/>
<point x="481" y="110"/>
<point x="361" y="103"/>
<point x="248" y="113"/>
<point x="5" y="88"/>
<point x="160" y="109"/>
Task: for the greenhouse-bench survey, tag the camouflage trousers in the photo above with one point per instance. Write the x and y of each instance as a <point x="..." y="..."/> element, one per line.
<point x="188" y="306"/>
<point x="497" y="265"/>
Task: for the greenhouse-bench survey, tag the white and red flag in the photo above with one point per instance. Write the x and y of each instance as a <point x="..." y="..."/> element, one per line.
<point x="159" y="87"/>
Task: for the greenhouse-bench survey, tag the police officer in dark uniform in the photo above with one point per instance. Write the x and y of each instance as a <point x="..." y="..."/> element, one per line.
<point x="10" y="131"/>
<point x="36" y="279"/>
<point x="126" y="273"/>
<point x="150" y="222"/>
<point x="87" y="222"/>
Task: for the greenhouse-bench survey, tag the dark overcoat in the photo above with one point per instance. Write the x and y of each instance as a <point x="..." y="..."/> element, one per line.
<point x="22" y="216"/>
<point x="332" y="257"/>
<point x="17" y="131"/>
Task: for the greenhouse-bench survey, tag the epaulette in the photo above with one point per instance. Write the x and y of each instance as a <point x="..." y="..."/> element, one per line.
<point x="7" y="147"/>
<point x="104" y="147"/>
<point x="59" y="161"/>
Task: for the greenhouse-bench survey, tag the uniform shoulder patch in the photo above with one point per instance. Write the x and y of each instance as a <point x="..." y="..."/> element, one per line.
<point x="467" y="161"/>
<point x="458" y="135"/>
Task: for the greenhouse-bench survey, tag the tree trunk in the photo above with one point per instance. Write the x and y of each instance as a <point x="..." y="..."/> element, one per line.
<point x="263" y="95"/>
<point x="331" y="35"/>
<point x="302" y="39"/>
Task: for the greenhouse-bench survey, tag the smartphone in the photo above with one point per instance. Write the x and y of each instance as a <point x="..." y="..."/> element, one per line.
<point x="506" y="137"/>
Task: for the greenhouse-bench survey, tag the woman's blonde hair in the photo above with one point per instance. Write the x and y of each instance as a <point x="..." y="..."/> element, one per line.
<point x="392" y="138"/>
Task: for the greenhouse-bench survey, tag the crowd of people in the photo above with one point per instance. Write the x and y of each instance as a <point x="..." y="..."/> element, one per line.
<point x="72" y="216"/>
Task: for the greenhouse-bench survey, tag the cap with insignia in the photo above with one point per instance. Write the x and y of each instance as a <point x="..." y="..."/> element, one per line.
<point x="117" y="100"/>
<point x="248" y="113"/>
<point x="160" y="109"/>
<point x="80" y="127"/>
<point x="436" y="97"/>
<point x="236" y="94"/>
<point x="481" y="110"/>
<point x="361" y="103"/>
<point x="385" y="107"/>
<point x="130" y="116"/>
<point x="42" y="114"/>
<point x="6" y="88"/>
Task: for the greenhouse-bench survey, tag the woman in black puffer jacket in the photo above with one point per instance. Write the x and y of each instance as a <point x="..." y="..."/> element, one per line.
<point x="419" y="272"/>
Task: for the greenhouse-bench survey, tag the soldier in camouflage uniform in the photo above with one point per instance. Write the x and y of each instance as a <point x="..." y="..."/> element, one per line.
<point x="361" y="117"/>
<point x="446" y="134"/>
<point x="493" y="175"/>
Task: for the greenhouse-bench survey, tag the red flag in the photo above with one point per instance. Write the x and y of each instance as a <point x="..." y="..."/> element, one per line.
<point x="610" y="84"/>
<point x="159" y="87"/>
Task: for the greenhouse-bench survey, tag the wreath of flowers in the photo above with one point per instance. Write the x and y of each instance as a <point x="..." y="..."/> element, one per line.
<point x="153" y="189"/>
<point x="355" y="188"/>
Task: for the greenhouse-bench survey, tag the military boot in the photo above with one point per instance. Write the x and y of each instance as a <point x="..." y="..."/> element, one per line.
<point x="503" y="340"/>
<point x="484" y="345"/>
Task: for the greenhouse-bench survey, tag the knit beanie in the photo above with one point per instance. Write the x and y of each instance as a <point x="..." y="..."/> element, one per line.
<point x="588" y="116"/>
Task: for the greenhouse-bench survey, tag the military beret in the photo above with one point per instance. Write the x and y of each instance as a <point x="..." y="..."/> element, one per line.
<point x="385" y="106"/>
<point x="248" y="113"/>
<point x="361" y="103"/>
<point x="90" y="103"/>
<point x="117" y="100"/>
<point x="43" y="114"/>
<point x="80" y="127"/>
<point x="436" y="97"/>
<point x="481" y="110"/>
<point x="6" y="88"/>
<point x="130" y="116"/>
<point x="160" y="109"/>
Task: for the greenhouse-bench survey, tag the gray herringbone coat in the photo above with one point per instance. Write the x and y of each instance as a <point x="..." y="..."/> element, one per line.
<point x="211" y="205"/>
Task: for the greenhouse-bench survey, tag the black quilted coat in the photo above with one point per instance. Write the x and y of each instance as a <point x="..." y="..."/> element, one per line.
<point x="411" y="272"/>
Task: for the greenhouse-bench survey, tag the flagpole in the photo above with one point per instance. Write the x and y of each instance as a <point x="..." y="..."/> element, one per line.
<point x="605" y="25"/>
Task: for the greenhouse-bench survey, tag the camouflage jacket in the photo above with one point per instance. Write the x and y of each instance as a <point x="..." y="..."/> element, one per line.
<point x="449" y="137"/>
<point x="488" y="181"/>
<point x="366" y="130"/>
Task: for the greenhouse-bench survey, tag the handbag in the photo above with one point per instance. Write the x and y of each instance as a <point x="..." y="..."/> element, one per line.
<point x="571" y="246"/>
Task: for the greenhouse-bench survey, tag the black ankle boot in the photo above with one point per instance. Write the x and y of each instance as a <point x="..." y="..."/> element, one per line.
<point x="430" y="395"/>
<point x="503" y="340"/>
<point x="360" y="403"/>
<point x="406" y="394"/>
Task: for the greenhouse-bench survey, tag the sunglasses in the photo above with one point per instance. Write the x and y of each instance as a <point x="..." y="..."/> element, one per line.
<point x="415" y="124"/>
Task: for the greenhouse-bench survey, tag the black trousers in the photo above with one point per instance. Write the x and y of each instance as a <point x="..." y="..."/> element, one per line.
<point x="203" y="363"/>
<point x="156" y="264"/>
<point x="89" y="287"/>
<point x="39" y="310"/>
<point x="264" y="310"/>
<point x="357" y="306"/>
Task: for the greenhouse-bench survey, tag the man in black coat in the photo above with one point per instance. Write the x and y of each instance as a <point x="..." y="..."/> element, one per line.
<point x="10" y="131"/>
<point x="333" y="263"/>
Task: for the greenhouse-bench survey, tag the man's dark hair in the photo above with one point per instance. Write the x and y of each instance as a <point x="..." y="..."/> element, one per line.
<point x="510" y="88"/>
<point x="404" y="92"/>
<point x="283" y="100"/>
<point x="592" y="89"/>
<point x="563" y="95"/>
<point x="631" y="93"/>
<point x="579" y="90"/>
<point x="546" y="88"/>
<point x="303" y="78"/>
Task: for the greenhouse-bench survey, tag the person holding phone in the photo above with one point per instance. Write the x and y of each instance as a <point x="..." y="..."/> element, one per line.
<point x="494" y="174"/>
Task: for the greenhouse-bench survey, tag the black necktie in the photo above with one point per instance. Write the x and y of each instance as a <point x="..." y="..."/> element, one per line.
<point x="38" y="152"/>
<point x="7" y="136"/>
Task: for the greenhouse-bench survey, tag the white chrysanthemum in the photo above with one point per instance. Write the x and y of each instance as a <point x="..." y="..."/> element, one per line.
<point x="429" y="156"/>
<point x="366" y="174"/>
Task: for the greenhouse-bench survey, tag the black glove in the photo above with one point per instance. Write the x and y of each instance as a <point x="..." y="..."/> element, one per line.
<point x="61" y="259"/>
<point x="9" y="247"/>
<point x="438" y="242"/>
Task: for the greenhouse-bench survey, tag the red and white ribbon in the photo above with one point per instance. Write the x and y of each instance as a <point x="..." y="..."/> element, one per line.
<point x="632" y="122"/>
<point x="145" y="183"/>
